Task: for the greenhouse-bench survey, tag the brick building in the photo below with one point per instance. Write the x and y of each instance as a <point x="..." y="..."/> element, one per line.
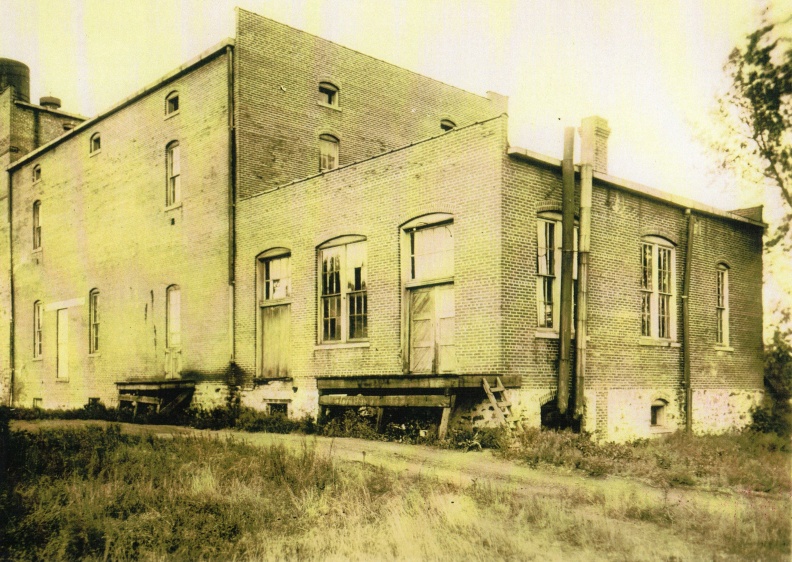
<point x="319" y="228"/>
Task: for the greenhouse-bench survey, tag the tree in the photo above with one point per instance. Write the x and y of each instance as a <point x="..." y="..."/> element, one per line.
<point x="757" y="112"/>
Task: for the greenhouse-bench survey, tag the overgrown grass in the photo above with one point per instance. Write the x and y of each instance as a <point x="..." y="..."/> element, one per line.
<point x="99" y="494"/>
<point x="758" y="462"/>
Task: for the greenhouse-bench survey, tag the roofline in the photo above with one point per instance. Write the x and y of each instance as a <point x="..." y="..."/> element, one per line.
<point x="202" y="58"/>
<point x="50" y="110"/>
<point x="634" y="187"/>
<point x="367" y="55"/>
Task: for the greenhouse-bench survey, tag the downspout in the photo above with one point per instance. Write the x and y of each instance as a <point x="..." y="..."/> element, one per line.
<point x="567" y="248"/>
<point x="581" y="334"/>
<point x="231" y="210"/>
<point x="686" y="325"/>
<point x="11" y="362"/>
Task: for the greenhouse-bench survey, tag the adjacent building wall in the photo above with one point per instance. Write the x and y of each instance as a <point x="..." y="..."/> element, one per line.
<point x="105" y="226"/>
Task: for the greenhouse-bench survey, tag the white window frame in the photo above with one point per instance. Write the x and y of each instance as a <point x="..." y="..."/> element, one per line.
<point x="173" y="167"/>
<point x="329" y="150"/>
<point x="543" y="222"/>
<point x="345" y="295"/>
<point x="37" y="225"/>
<point x="93" y="322"/>
<point x="722" y="305"/>
<point x="38" y="348"/>
<point x="650" y="289"/>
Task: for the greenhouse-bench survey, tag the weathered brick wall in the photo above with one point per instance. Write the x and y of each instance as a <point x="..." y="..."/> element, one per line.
<point x="457" y="173"/>
<point x="382" y="106"/>
<point x="105" y="226"/>
<point x="616" y="357"/>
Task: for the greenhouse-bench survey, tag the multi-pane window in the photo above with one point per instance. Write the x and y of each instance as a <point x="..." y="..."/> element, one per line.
<point x="328" y="94"/>
<point x="174" y="173"/>
<point x="95" y="144"/>
<point x="37" y="333"/>
<point x="548" y="270"/>
<point x="37" y="225"/>
<point x="93" y="321"/>
<point x="328" y="153"/>
<point x="343" y="296"/>
<point x="172" y="103"/>
<point x="276" y="277"/>
<point x="658" y="285"/>
<point x="722" y="305"/>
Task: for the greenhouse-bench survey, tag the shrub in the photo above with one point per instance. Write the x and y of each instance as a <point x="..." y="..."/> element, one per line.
<point x="775" y="415"/>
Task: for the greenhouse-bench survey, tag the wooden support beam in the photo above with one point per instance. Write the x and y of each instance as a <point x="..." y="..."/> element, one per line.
<point x="141" y="399"/>
<point x="340" y="384"/>
<point x="391" y="401"/>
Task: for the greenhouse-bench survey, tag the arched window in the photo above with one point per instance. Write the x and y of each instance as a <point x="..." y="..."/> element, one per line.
<point x="37" y="347"/>
<point x="36" y="173"/>
<point x="447" y="124"/>
<point x="172" y="103"/>
<point x="722" y="305"/>
<point x="93" y="321"/>
<point x="328" y="152"/>
<point x="328" y="94"/>
<point x="95" y="143"/>
<point x="658" y="288"/>
<point x="37" y="225"/>
<point x="343" y="294"/>
<point x="173" y="188"/>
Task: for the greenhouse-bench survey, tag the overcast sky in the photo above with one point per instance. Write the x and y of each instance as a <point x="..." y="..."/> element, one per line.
<point x="651" y="68"/>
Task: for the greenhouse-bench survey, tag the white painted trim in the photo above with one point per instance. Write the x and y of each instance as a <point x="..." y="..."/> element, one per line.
<point x="80" y="301"/>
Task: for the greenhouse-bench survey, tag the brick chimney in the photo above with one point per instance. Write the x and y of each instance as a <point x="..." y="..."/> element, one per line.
<point x="594" y="133"/>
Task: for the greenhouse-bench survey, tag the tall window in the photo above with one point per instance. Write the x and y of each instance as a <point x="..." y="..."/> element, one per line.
<point x="93" y="319"/>
<point x="548" y="270"/>
<point x="658" y="289"/>
<point x="36" y="173"/>
<point x="343" y="298"/>
<point x="428" y="274"/>
<point x="173" y="347"/>
<point x="274" y="274"/>
<point x="95" y="144"/>
<point x="174" y="173"/>
<point x="328" y="153"/>
<point x="37" y="225"/>
<point x="37" y="347"/>
<point x="722" y="305"/>
<point x="172" y="103"/>
<point x="328" y="94"/>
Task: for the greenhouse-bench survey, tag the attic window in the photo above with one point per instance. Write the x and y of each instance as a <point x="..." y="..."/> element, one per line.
<point x="447" y="124"/>
<point x="328" y="94"/>
<point x="172" y="103"/>
<point x="96" y="143"/>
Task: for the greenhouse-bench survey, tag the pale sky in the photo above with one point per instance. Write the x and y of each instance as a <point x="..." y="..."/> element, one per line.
<point x="651" y="68"/>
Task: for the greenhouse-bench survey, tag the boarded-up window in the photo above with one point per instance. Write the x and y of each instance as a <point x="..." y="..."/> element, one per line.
<point x="274" y="312"/>
<point x="343" y="294"/>
<point x="174" y="316"/>
<point x="328" y="153"/>
<point x="432" y="252"/>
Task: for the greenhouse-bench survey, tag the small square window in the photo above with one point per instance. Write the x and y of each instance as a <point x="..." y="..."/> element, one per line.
<point x="37" y="402"/>
<point x="328" y="94"/>
<point x="278" y="409"/>
<point x="172" y="103"/>
<point x="36" y="173"/>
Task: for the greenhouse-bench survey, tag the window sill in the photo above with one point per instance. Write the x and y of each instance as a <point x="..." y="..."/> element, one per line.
<point x="94" y="153"/>
<point x="425" y="283"/>
<point x="172" y="207"/>
<point x="36" y="250"/>
<point x="654" y="342"/>
<point x="328" y="106"/>
<point x="546" y="334"/>
<point x="38" y="359"/>
<point x="660" y="429"/>
<point x="94" y="355"/>
<point x="275" y="302"/>
<point x="724" y="348"/>
<point x="348" y="345"/>
<point x="61" y="380"/>
<point x="172" y="114"/>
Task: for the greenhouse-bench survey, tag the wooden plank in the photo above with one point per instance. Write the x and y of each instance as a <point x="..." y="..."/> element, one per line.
<point x="141" y="399"/>
<point x="426" y="401"/>
<point x="386" y="382"/>
<point x="443" y="429"/>
<point x="155" y="385"/>
<point x="474" y="381"/>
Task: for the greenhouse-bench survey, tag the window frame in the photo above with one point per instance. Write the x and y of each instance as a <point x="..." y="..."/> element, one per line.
<point x="330" y="94"/>
<point x="37" y="225"/>
<point x="36" y="173"/>
<point x="93" y="322"/>
<point x="169" y="109"/>
<point x="327" y="140"/>
<point x="173" y="194"/>
<point x="650" y="287"/>
<point x="722" y="332"/>
<point x="543" y="220"/>
<point x="447" y="125"/>
<point x="344" y="323"/>
<point x="95" y="143"/>
<point x="169" y="318"/>
<point x="38" y="333"/>
<point x="263" y="288"/>
<point x="658" y="414"/>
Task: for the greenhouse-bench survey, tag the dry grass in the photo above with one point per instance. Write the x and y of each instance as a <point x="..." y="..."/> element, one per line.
<point x="130" y="497"/>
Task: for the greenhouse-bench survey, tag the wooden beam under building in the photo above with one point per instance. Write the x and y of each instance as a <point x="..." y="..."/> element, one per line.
<point x="390" y="401"/>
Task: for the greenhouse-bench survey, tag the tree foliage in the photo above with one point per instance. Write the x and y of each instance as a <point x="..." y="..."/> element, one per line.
<point x="776" y="415"/>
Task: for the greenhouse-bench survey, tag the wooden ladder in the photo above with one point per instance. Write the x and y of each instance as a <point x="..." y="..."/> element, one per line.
<point x="499" y="403"/>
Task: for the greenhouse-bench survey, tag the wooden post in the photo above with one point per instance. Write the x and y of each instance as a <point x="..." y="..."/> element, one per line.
<point x="443" y="429"/>
<point x="567" y="249"/>
<point x="380" y="411"/>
